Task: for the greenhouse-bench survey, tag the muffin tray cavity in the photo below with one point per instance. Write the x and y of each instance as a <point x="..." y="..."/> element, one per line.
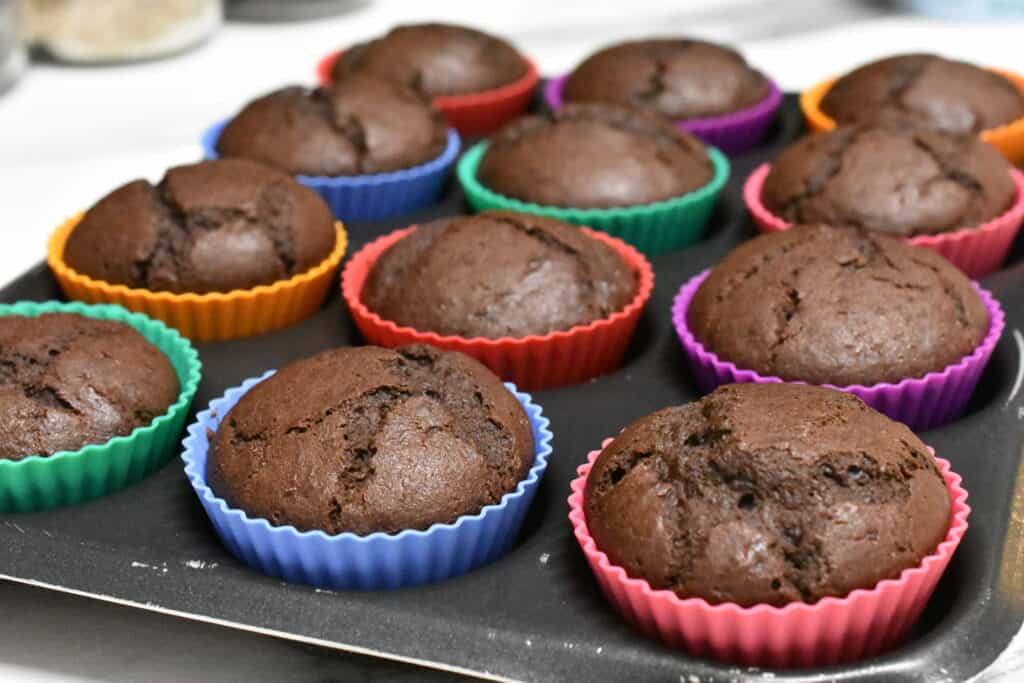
<point x="536" y="613"/>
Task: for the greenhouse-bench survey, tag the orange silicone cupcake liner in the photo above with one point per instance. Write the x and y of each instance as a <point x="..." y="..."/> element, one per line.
<point x="1008" y="139"/>
<point x="533" y="362"/>
<point x="214" y="316"/>
<point x="472" y="113"/>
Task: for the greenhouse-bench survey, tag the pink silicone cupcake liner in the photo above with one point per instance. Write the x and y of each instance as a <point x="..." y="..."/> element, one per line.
<point x="920" y="403"/>
<point x="732" y="133"/>
<point x="828" y="632"/>
<point x="977" y="251"/>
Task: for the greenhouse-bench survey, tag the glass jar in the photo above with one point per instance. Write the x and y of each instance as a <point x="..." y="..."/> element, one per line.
<point x="119" y="30"/>
<point x="12" y="46"/>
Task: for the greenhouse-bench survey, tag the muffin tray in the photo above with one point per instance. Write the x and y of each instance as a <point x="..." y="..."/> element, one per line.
<point x="537" y="613"/>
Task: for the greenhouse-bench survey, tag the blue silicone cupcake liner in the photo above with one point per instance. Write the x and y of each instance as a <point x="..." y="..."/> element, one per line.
<point x="375" y="196"/>
<point x="377" y="560"/>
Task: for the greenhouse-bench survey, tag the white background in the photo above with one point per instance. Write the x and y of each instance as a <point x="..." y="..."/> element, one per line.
<point x="69" y="135"/>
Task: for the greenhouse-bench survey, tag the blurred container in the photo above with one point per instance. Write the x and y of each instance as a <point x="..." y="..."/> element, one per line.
<point x="119" y="30"/>
<point x="12" y="47"/>
<point x="971" y="10"/>
<point x="289" y="10"/>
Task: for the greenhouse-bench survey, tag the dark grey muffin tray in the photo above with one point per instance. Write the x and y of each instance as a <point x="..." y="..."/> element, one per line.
<point x="536" y="614"/>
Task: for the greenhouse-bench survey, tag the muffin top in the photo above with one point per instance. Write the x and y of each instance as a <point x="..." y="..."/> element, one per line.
<point x="678" y="78"/>
<point x="435" y="59"/>
<point x="67" y="381"/>
<point x="897" y="180"/>
<point x="362" y="125"/>
<point x="594" y="156"/>
<point x="366" y="439"/>
<point x="498" y="274"/>
<point x="214" y="226"/>
<point x="955" y="97"/>
<point x="837" y="306"/>
<point x="766" y="494"/>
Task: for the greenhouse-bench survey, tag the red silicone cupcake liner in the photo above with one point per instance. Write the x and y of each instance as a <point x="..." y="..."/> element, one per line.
<point x="534" y="362"/>
<point x="977" y="251"/>
<point x="474" y="113"/>
<point x="921" y="403"/>
<point x="831" y="631"/>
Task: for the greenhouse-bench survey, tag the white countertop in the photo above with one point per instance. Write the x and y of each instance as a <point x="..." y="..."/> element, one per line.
<point x="69" y="135"/>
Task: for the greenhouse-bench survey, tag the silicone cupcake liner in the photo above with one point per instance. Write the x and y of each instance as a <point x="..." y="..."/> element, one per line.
<point x="652" y="228"/>
<point x="374" y="561"/>
<point x="206" y="317"/>
<point x="828" y="632"/>
<point x="533" y="362"/>
<point x="977" y="251"/>
<point x="69" y="477"/>
<point x="1008" y="139"/>
<point x="732" y="133"/>
<point x="920" y="402"/>
<point x="474" y="113"/>
<point x="376" y="196"/>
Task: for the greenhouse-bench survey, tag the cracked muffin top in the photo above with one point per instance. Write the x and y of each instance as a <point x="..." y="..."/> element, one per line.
<point x="677" y="78"/>
<point x="435" y="59"/>
<point x="498" y="274"/>
<point x="214" y="226"/>
<point x="67" y="381"/>
<point x="951" y="96"/>
<point x="359" y="126"/>
<point x="366" y="439"/>
<point x="766" y="494"/>
<point x="594" y="156"/>
<point x="837" y="306"/>
<point x="896" y="180"/>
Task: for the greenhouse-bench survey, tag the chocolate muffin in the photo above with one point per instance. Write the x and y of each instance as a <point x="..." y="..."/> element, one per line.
<point x="435" y="59"/>
<point x="951" y="96"/>
<point x="67" y="381"/>
<point x="837" y="306"/>
<point x="897" y="180"/>
<point x="594" y="156"/>
<point x="215" y="226"/>
<point x="766" y="494"/>
<point x="498" y="274"/>
<point x="678" y="78"/>
<point x="367" y="439"/>
<point x="362" y="125"/>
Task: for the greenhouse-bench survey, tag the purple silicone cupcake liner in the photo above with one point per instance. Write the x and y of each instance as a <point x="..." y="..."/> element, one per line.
<point x="921" y="403"/>
<point x="732" y="133"/>
<point x="374" y="196"/>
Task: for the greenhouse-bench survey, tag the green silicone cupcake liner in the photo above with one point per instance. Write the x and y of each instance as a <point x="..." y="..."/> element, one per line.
<point x="68" y="477"/>
<point x="652" y="228"/>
